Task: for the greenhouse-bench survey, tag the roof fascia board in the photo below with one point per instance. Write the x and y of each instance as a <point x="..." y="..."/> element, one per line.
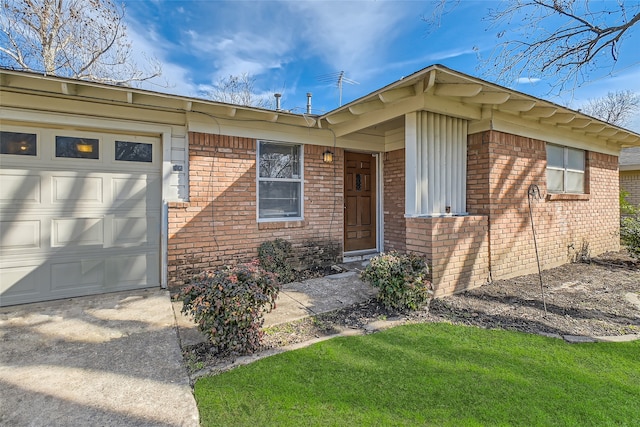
<point x="628" y="168"/>
<point x="419" y="102"/>
<point x="257" y="129"/>
<point x="503" y="123"/>
<point x="87" y="107"/>
<point x="25" y="82"/>
<point x="58" y="119"/>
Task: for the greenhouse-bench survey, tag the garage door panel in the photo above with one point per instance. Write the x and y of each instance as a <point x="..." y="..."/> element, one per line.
<point x="133" y="270"/>
<point x="131" y="193"/>
<point x="135" y="231"/>
<point x="18" y="188"/>
<point x="15" y="235"/>
<point x="73" y="232"/>
<point x="19" y="282"/>
<point x="83" y="274"/>
<point x="74" y="226"/>
<point x="77" y="190"/>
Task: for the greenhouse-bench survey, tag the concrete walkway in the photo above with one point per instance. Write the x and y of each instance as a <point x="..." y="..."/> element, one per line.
<point x="298" y="300"/>
<point x="104" y="360"/>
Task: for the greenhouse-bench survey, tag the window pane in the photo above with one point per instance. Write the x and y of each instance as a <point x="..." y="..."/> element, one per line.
<point x="279" y="200"/>
<point x="279" y="161"/>
<point x="555" y="156"/>
<point x="555" y="181"/>
<point x="21" y="144"/>
<point x="575" y="159"/>
<point x="134" y="151"/>
<point x="80" y="148"/>
<point x="575" y="182"/>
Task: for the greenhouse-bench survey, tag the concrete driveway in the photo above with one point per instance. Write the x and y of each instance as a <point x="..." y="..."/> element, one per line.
<point x="105" y="360"/>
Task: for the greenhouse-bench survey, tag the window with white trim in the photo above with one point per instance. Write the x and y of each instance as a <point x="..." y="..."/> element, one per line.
<point x="279" y="181"/>
<point x="565" y="170"/>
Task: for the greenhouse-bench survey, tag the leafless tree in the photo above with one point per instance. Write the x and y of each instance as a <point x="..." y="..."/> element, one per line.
<point x="616" y="108"/>
<point x="81" y="39"/>
<point x="562" y="38"/>
<point x="238" y="90"/>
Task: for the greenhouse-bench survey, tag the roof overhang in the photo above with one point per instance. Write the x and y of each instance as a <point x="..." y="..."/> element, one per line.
<point x="436" y="88"/>
<point x="34" y="83"/>
<point x="442" y="90"/>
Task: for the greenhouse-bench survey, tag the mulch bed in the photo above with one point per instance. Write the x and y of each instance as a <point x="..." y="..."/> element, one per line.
<point x="582" y="299"/>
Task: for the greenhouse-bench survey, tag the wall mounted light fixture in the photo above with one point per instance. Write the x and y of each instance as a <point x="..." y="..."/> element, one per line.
<point x="327" y="157"/>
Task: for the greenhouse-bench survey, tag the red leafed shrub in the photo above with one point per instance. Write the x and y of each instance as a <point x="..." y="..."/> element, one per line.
<point x="229" y="305"/>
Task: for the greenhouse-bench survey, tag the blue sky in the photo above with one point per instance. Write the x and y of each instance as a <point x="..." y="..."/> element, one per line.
<point x="292" y="46"/>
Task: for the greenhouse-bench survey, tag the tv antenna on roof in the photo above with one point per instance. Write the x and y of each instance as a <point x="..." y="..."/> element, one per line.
<point x="338" y="78"/>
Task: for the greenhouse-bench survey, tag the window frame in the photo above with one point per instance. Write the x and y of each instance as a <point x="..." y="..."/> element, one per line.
<point x="299" y="181"/>
<point x="565" y="169"/>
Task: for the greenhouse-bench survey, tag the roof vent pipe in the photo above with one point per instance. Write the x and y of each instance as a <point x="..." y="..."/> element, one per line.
<point x="308" y="102"/>
<point x="277" y="95"/>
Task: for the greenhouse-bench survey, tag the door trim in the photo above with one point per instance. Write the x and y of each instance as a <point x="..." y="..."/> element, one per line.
<point x="377" y="209"/>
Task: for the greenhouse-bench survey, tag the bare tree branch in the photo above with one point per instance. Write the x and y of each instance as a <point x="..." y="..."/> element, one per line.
<point x="238" y="90"/>
<point x="564" y="38"/>
<point x="615" y="108"/>
<point x="82" y="39"/>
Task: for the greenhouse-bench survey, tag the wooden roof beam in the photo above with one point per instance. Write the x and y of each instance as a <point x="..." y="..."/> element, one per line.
<point x="396" y="94"/>
<point x="429" y="81"/>
<point x="558" y="118"/>
<point x="339" y="117"/>
<point x="517" y="105"/>
<point x="458" y="89"/>
<point x="578" y="123"/>
<point x="489" y="98"/>
<point x="366" y="107"/>
<point x="608" y="131"/>
<point x="595" y="127"/>
<point x="540" y="112"/>
<point x="69" y="88"/>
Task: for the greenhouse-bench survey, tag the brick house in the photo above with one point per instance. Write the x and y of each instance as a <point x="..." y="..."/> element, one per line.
<point x="630" y="174"/>
<point x="109" y="188"/>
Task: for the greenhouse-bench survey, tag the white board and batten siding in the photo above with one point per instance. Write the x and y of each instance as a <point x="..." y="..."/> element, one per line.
<point x="436" y="165"/>
<point x="74" y="226"/>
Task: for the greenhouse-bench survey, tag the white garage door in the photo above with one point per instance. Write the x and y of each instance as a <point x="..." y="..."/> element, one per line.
<point x="79" y="213"/>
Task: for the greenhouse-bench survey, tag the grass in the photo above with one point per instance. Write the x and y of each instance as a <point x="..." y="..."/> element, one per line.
<point x="432" y="374"/>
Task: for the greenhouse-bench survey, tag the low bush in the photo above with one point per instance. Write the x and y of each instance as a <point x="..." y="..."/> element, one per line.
<point x="274" y="256"/>
<point x="402" y="280"/>
<point x="630" y="234"/>
<point x="630" y="225"/>
<point x="229" y="305"/>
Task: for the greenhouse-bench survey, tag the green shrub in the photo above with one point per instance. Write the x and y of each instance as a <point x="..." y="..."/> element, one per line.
<point x="627" y="208"/>
<point x="629" y="225"/>
<point x="229" y="305"/>
<point x="274" y="257"/>
<point x="402" y="280"/>
<point x="630" y="234"/>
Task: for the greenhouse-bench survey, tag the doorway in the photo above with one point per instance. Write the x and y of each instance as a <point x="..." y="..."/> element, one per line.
<point x="360" y="202"/>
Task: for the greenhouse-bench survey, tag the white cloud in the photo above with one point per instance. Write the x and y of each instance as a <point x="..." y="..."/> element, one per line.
<point x="349" y="36"/>
<point x="175" y="78"/>
<point x="527" y="80"/>
<point x="241" y="52"/>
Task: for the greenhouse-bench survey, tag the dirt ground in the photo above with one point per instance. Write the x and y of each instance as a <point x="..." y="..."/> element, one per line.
<point x="582" y="299"/>
<point x="588" y="299"/>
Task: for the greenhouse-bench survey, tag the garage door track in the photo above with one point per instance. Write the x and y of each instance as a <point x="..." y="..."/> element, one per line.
<point x="104" y="360"/>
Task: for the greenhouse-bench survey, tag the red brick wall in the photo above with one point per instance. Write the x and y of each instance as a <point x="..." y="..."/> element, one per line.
<point x="500" y="169"/>
<point x="218" y="225"/>
<point x="456" y="248"/>
<point x="394" y="201"/>
<point x="630" y="182"/>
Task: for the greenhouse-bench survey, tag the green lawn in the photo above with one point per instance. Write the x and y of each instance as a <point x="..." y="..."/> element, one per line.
<point x="432" y="374"/>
